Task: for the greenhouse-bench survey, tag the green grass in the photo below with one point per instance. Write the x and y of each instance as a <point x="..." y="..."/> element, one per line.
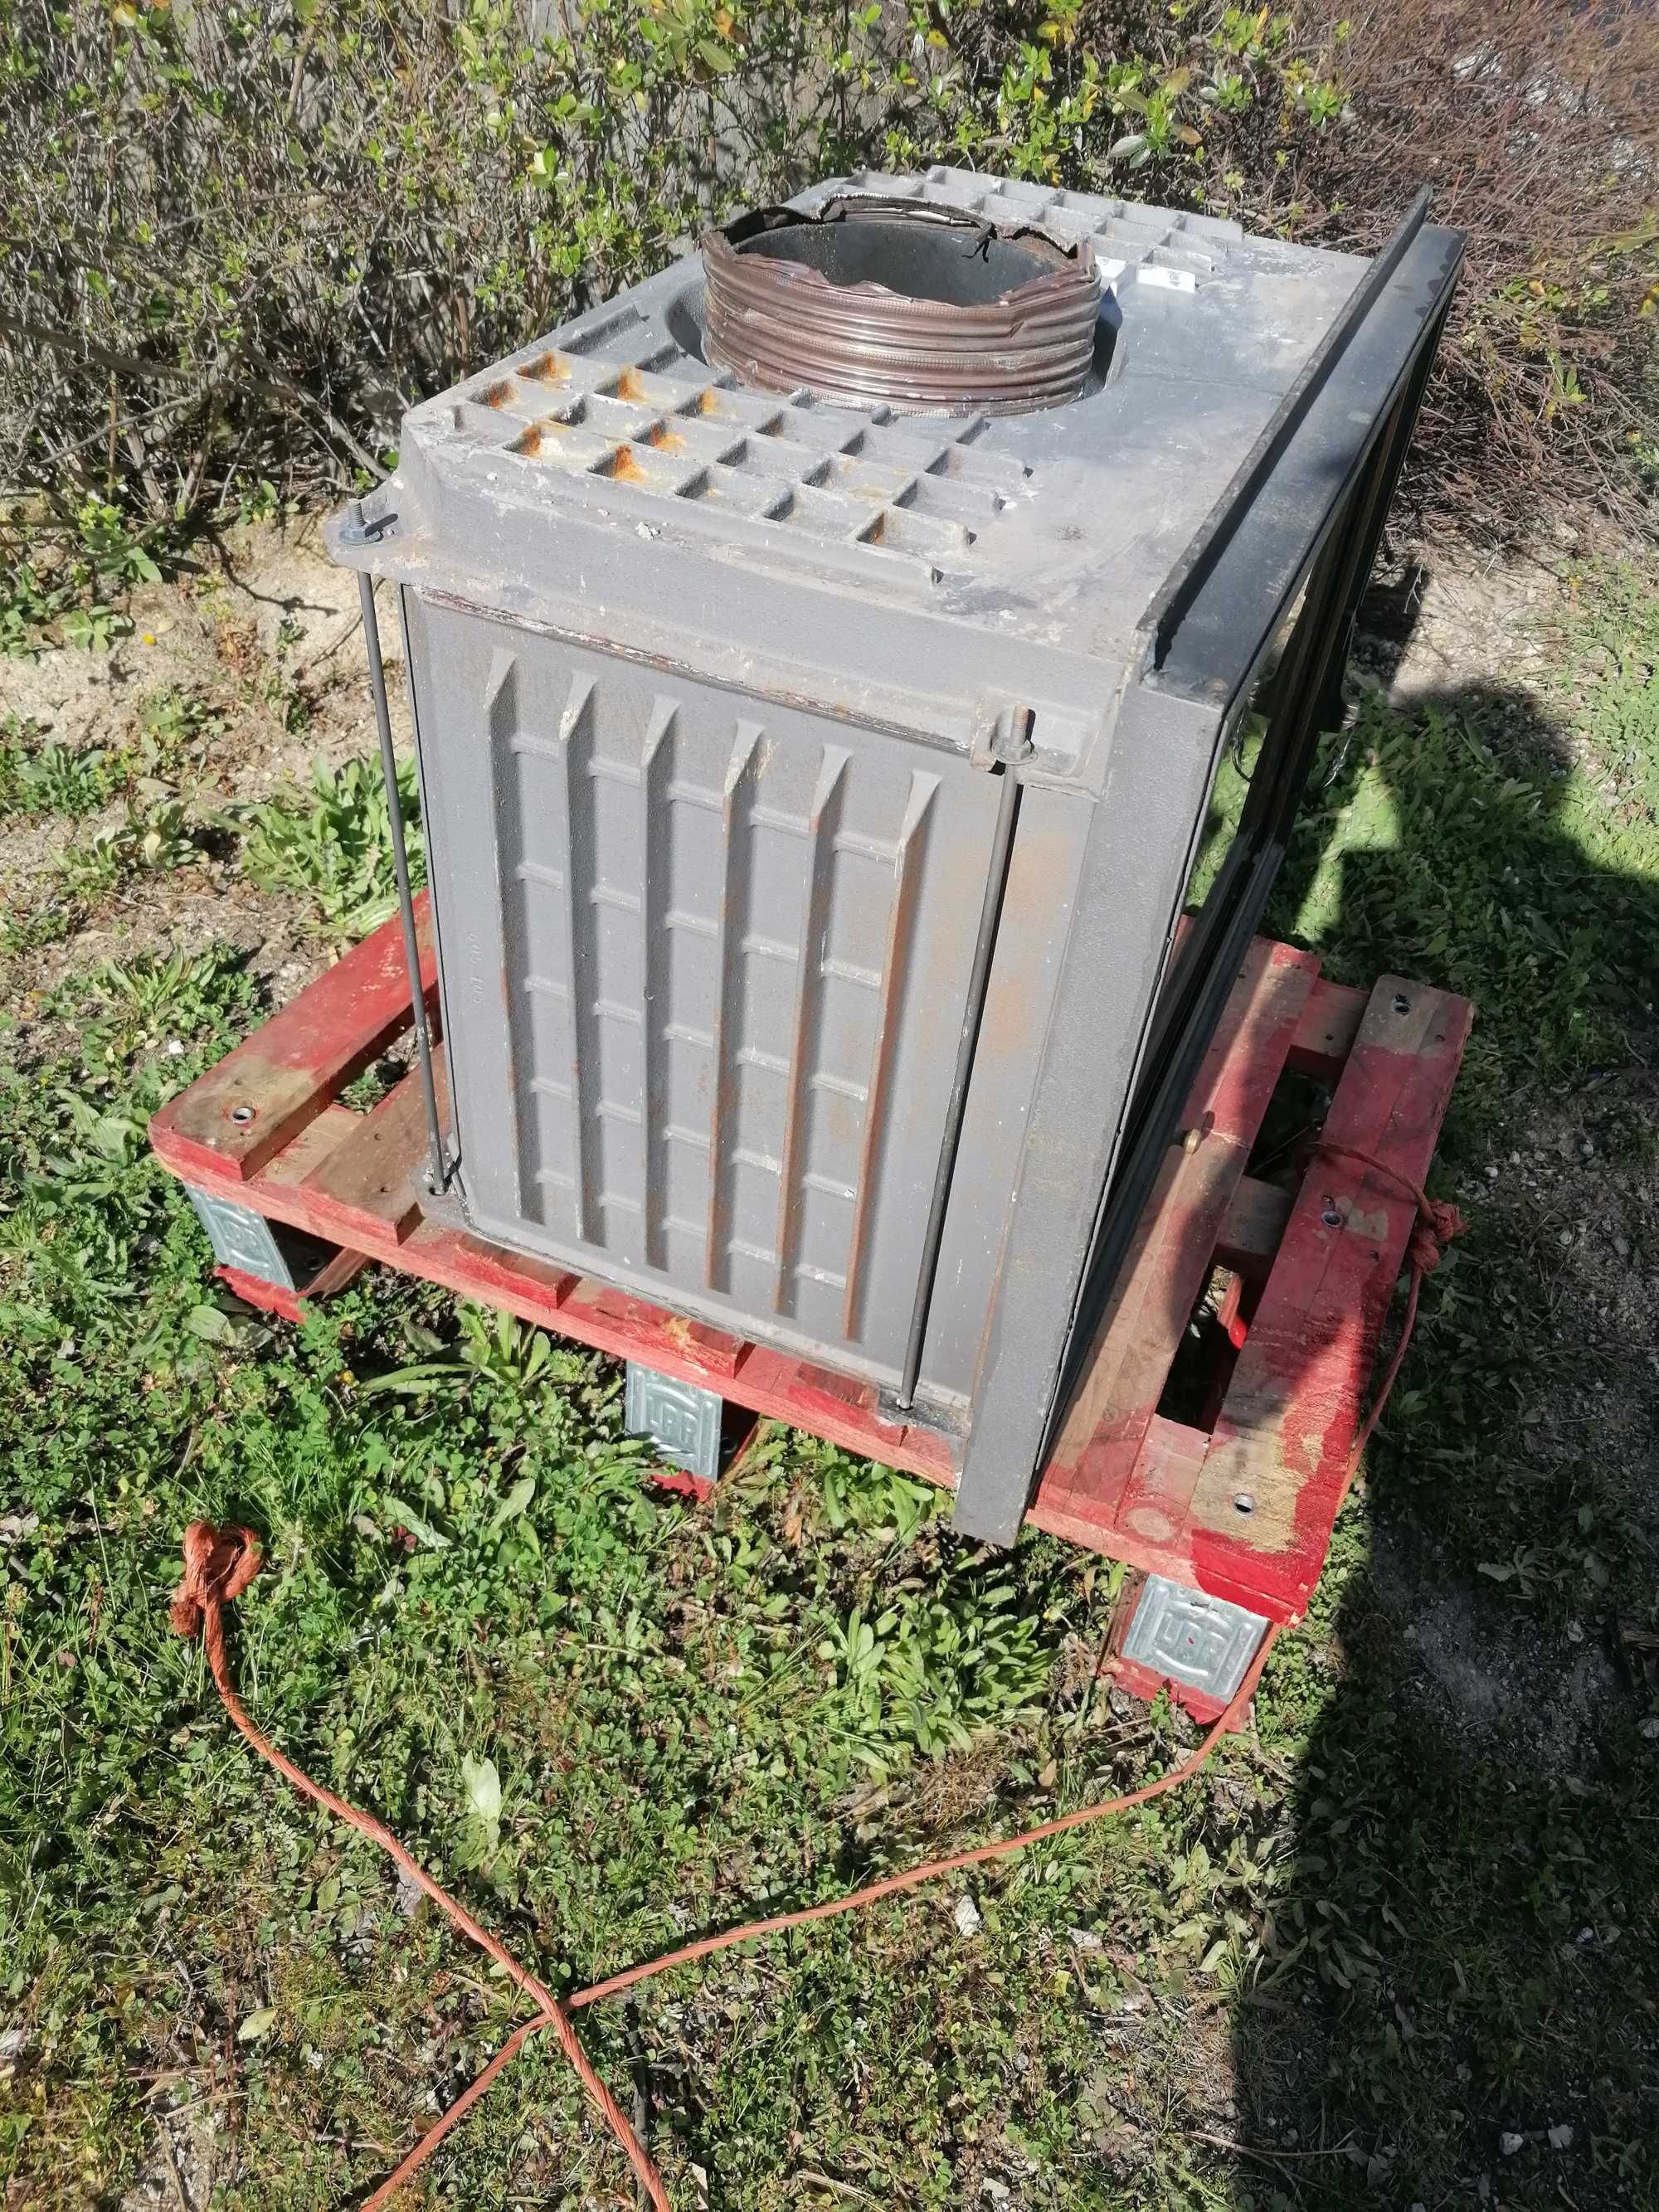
<point x="331" y="847"/>
<point x="1501" y="844"/>
<point x="611" y="1720"/>
<point x="40" y="775"/>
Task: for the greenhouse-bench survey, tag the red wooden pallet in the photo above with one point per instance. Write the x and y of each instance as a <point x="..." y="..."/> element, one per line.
<point x="1240" y="1505"/>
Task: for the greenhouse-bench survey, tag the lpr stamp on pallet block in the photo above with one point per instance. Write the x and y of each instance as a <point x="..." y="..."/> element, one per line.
<point x="821" y="655"/>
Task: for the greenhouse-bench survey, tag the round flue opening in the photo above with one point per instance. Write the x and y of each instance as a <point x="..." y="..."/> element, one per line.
<point x="921" y="307"/>
<point x="956" y="265"/>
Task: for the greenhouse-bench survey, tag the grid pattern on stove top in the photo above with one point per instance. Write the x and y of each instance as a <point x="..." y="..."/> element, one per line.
<point x="620" y="401"/>
<point x="615" y="399"/>
<point x="1128" y="236"/>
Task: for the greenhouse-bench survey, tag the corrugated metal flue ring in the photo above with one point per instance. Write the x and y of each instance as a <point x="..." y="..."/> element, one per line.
<point x="905" y="301"/>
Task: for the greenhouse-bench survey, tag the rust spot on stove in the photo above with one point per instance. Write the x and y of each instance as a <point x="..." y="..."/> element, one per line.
<point x="532" y="440"/>
<point x="550" y="368"/>
<point x="629" y="386"/>
<point x="664" y="439"/>
<point x="496" y="394"/>
<point x="625" y="468"/>
<point x="709" y="403"/>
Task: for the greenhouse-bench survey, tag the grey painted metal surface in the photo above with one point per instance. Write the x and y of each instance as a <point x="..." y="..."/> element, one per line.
<point x="718" y="958"/>
<point x="1201" y="1641"/>
<point x="715" y="691"/>
<point x="682" y="1419"/>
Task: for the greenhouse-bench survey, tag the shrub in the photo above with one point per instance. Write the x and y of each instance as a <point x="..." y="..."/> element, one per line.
<point x="1539" y="129"/>
<point x="239" y="239"/>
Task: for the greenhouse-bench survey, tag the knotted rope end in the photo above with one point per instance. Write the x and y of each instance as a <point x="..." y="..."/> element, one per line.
<point x="219" y="1564"/>
<point x="1438" y="1221"/>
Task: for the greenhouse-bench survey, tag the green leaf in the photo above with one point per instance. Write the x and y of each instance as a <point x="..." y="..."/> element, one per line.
<point x="256" y="2024"/>
<point x="513" y="1504"/>
<point x="211" y="1324"/>
<point x="414" y="1382"/>
<point x="483" y="1788"/>
<point x="416" y="1526"/>
<point x="483" y="1793"/>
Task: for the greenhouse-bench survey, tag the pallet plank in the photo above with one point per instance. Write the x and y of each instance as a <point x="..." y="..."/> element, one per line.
<point x="845" y="1413"/>
<point x="1250" y="1235"/>
<point x="1174" y="1243"/>
<point x="1149" y="1531"/>
<point x="770" y="1383"/>
<point x="309" y="1149"/>
<point x="1324" y="1036"/>
<point x="1265" y="1501"/>
<point x="1166" y="1506"/>
<point x="241" y="1113"/>
<point x="494" y="1268"/>
<point x="371" y="1186"/>
<point x="294" y="1305"/>
<point x="641" y="1330"/>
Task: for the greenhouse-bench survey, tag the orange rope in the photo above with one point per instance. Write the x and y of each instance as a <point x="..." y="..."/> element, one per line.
<point x="220" y="1563"/>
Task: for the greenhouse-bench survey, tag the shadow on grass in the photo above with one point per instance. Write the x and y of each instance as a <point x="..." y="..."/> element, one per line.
<point x="1458" y="1994"/>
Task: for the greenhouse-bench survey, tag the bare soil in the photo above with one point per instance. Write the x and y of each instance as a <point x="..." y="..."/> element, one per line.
<point x="264" y="631"/>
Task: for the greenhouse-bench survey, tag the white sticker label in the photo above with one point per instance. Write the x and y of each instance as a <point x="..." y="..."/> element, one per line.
<point x="1167" y="280"/>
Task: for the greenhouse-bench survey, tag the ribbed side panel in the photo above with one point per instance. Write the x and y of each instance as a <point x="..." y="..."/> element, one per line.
<point x="726" y="1150"/>
<point x="812" y="950"/>
<point x="655" y="764"/>
<point x="883" y="1033"/>
<point x="729" y="955"/>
